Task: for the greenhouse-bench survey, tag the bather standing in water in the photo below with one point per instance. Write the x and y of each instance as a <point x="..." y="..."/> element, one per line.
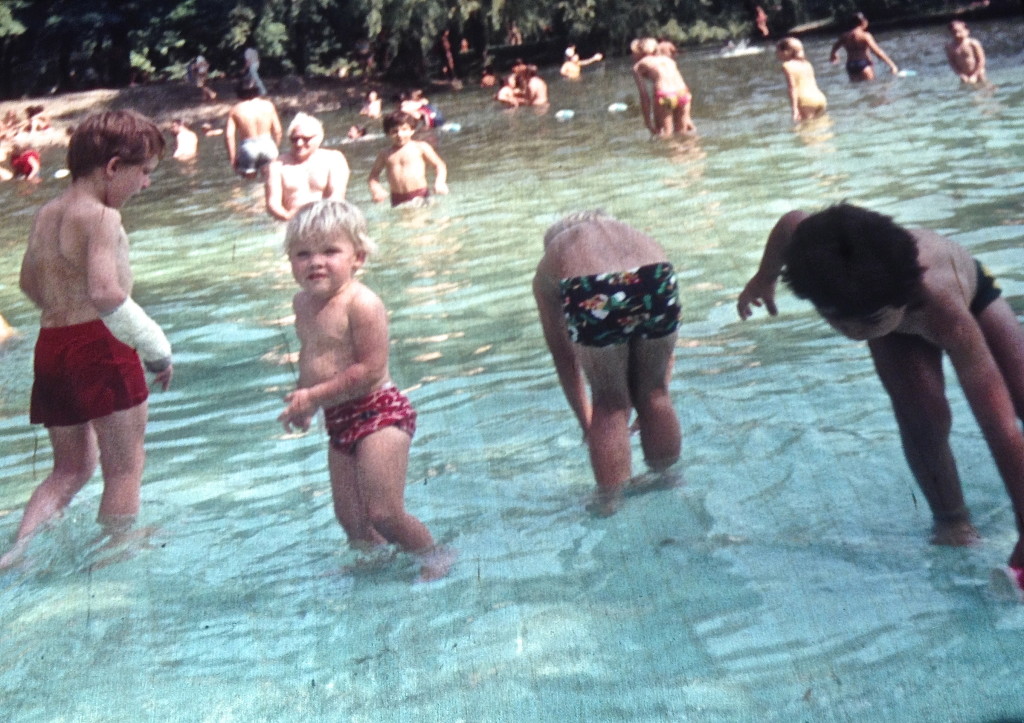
<point x="806" y="101"/>
<point x="609" y="309"/>
<point x="668" y="111"/>
<point x="859" y="44"/>
<point x="253" y="131"/>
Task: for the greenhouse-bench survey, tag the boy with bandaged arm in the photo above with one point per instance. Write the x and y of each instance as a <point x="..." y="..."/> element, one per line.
<point x="89" y="388"/>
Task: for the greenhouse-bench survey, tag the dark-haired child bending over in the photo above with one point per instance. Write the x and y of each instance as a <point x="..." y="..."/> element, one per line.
<point x="913" y="295"/>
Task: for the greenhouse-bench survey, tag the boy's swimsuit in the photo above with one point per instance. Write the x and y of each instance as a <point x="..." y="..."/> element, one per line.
<point x="349" y="422"/>
<point x="672" y="99"/>
<point x="397" y="199"/>
<point x="254" y="153"/>
<point x="857" y="66"/>
<point x="611" y="308"/>
<point x="22" y="163"/>
<point x="988" y="290"/>
<point x="81" y="373"/>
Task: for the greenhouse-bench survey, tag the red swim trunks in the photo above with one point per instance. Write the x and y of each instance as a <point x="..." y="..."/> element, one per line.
<point x="22" y="163"/>
<point x="397" y="199"/>
<point x="82" y="372"/>
<point x="349" y="422"/>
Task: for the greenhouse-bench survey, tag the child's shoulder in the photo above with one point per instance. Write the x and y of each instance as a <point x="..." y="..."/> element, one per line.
<point x="83" y="209"/>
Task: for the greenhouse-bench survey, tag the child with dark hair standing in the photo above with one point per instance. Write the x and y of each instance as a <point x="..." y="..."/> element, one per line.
<point x="406" y="164"/>
<point x="913" y="295"/>
<point x="89" y="390"/>
<point x="859" y="44"/>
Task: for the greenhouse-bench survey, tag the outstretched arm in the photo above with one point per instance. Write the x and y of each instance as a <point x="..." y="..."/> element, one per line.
<point x="645" y="100"/>
<point x="833" y="56"/>
<point x="760" y="290"/>
<point x="881" y="54"/>
<point x="794" y="98"/>
<point x="986" y="391"/>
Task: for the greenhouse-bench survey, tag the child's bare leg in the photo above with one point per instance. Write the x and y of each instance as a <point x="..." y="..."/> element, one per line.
<point x="650" y="371"/>
<point x="1005" y="338"/>
<point x="662" y="119"/>
<point x="349" y="507"/>
<point x="911" y="372"/>
<point x="381" y="461"/>
<point x="120" y="438"/>
<point x="681" y="118"/>
<point x="75" y="456"/>
<point x="607" y="372"/>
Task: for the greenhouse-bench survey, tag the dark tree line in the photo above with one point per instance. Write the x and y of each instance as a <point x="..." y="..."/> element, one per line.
<point x="55" y="45"/>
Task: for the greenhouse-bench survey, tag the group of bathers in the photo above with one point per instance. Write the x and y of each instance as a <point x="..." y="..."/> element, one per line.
<point x="82" y="372"/>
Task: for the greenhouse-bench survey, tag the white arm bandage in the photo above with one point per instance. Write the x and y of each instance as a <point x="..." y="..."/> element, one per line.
<point x="131" y="325"/>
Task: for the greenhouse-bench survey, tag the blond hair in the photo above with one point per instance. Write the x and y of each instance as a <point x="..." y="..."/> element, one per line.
<point x="646" y="46"/>
<point x="327" y="220"/>
<point x="791" y="46"/>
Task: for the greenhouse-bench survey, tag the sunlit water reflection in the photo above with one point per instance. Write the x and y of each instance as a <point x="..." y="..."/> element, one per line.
<point x="788" y="578"/>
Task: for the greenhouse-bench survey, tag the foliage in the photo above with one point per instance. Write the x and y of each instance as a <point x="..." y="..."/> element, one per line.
<point x="67" y="44"/>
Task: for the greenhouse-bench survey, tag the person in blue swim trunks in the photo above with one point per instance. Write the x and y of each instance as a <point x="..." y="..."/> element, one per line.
<point x="859" y="44"/>
<point x="609" y="308"/>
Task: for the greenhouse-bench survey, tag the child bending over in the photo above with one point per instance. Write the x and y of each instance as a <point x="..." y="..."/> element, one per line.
<point x="913" y="295"/>
<point x="609" y="308"/>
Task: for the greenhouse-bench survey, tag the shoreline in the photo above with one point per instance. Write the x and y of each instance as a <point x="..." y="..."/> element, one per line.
<point x="165" y="101"/>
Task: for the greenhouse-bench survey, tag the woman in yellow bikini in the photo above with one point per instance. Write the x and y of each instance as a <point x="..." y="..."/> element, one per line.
<point x="805" y="97"/>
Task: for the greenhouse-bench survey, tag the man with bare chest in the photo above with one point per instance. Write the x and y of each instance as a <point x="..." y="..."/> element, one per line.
<point x="306" y="173"/>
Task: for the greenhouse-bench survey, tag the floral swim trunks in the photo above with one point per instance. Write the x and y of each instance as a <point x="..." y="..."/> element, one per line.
<point x="611" y="308"/>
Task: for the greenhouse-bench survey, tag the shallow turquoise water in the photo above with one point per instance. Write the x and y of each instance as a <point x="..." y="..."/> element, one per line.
<point x="788" y="578"/>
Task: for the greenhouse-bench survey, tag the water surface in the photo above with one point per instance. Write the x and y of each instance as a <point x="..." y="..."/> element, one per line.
<point x="788" y="578"/>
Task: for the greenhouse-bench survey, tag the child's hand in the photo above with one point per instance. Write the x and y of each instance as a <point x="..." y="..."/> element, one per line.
<point x="164" y="377"/>
<point x="299" y="412"/>
<point x="757" y="292"/>
<point x="441" y="188"/>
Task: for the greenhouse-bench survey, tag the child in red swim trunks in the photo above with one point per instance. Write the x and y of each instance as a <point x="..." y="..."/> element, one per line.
<point x="343" y="368"/>
<point x="90" y="390"/>
<point x="406" y="164"/>
<point x="26" y="163"/>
